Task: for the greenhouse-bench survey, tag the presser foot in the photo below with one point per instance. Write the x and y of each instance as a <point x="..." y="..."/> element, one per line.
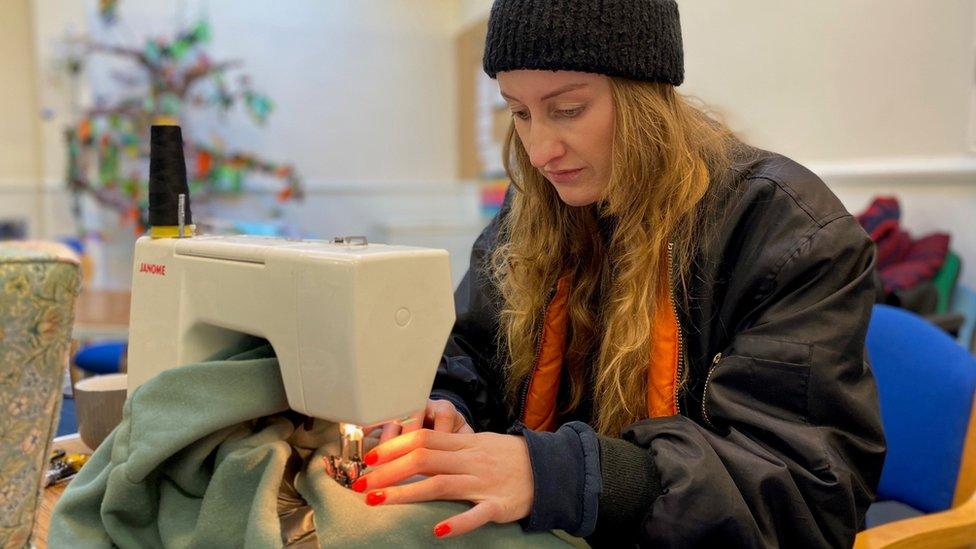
<point x="345" y="472"/>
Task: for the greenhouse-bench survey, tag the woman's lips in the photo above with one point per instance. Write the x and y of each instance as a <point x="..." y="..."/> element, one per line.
<point x="564" y="176"/>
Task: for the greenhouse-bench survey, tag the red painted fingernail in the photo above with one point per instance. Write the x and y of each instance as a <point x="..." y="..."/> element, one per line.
<point x="371" y="458"/>
<point x="375" y="498"/>
<point x="442" y="529"/>
<point x="359" y="485"/>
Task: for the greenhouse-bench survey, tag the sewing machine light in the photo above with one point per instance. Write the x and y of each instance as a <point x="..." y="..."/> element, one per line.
<point x="353" y="432"/>
<point x="348" y="465"/>
<point x="352" y="443"/>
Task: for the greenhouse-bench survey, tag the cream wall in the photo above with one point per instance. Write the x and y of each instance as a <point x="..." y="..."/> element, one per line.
<point x="855" y="81"/>
<point x="836" y="80"/>
<point x="19" y="152"/>
<point x="18" y="129"/>
<point x="32" y="115"/>
<point x="470" y="11"/>
<point x="873" y="95"/>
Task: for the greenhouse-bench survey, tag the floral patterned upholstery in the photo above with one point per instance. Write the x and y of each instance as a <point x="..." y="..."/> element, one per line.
<point x="38" y="286"/>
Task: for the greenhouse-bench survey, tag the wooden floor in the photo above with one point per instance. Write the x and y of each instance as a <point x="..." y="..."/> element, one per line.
<point x="51" y="495"/>
<point x="43" y="518"/>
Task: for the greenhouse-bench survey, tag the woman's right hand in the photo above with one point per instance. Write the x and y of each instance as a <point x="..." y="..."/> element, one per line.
<point x="440" y="415"/>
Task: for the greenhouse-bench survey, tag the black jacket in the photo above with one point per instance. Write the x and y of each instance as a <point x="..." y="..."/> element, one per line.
<point x="778" y="439"/>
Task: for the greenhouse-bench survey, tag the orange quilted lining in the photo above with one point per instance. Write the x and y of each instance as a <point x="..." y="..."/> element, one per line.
<point x="540" y="405"/>
<point x="662" y="371"/>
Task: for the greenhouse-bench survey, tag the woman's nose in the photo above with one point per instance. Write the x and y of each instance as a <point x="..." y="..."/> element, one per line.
<point x="544" y="146"/>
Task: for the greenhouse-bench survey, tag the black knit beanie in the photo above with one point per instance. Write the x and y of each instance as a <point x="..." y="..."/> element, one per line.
<point x="636" y="39"/>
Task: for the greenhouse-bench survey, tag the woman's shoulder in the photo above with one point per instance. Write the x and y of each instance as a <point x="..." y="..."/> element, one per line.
<point x="780" y="186"/>
<point x="769" y="208"/>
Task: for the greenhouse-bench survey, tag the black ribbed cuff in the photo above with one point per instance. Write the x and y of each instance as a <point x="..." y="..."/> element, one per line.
<point x="631" y="483"/>
<point x="566" y="479"/>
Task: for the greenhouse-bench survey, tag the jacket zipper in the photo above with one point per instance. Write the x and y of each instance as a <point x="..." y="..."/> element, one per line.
<point x="715" y="360"/>
<point x="677" y="319"/>
<point x="524" y="392"/>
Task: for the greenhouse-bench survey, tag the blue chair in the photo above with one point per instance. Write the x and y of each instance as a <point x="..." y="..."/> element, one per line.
<point x="101" y="358"/>
<point x="926" y="384"/>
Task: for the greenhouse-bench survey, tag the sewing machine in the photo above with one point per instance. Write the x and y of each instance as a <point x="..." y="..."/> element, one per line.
<point x="358" y="328"/>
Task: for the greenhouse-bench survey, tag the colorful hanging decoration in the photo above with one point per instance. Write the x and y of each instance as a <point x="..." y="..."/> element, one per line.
<point x="107" y="10"/>
<point x="108" y="145"/>
<point x="492" y="195"/>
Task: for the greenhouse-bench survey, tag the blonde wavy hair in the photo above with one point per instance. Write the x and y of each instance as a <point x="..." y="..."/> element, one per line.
<point x="665" y="151"/>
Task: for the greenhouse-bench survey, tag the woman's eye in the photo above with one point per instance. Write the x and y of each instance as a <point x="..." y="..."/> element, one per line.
<point x="569" y="113"/>
<point x="521" y="115"/>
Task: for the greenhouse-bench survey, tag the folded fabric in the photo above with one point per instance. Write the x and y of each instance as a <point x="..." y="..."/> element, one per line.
<point x="203" y="458"/>
<point x="902" y="262"/>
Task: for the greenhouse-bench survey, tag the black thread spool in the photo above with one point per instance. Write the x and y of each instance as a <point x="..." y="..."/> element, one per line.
<point x="167" y="178"/>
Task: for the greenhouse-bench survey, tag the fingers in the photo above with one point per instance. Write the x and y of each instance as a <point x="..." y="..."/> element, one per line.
<point x="415" y="422"/>
<point x="443" y="416"/>
<point x="440" y="415"/>
<point x="439" y="487"/>
<point x="390" y="430"/>
<point x="421" y="461"/>
<point x="473" y="518"/>
<point x="394" y="429"/>
<point x="408" y="442"/>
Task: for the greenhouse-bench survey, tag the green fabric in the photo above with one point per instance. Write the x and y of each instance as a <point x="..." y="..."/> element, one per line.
<point x="945" y="281"/>
<point x="199" y="459"/>
<point x="37" y="296"/>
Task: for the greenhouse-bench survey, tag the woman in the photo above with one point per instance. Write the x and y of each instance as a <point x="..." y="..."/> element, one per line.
<point x="667" y="324"/>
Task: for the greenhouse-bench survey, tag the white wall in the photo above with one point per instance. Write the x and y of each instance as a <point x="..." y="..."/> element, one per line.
<point x="874" y="95"/>
<point x="836" y="79"/>
<point x="364" y="90"/>
<point x="832" y="81"/>
<point x="365" y="106"/>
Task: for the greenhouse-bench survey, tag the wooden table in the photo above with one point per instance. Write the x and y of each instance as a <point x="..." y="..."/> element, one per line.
<point x="42" y="520"/>
<point x="102" y="314"/>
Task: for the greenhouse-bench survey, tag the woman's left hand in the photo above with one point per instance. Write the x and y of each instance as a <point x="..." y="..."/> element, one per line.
<point x="491" y="470"/>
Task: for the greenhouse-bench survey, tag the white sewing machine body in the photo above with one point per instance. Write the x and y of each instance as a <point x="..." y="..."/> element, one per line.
<point x="358" y="329"/>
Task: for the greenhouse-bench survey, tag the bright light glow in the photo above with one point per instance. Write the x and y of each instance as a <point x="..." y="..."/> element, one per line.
<point x="351" y="431"/>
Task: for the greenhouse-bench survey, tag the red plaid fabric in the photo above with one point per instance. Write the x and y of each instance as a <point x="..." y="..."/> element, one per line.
<point x="902" y="262"/>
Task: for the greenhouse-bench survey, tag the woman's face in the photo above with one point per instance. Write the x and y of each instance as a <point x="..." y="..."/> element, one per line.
<point x="565" y="122"/>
